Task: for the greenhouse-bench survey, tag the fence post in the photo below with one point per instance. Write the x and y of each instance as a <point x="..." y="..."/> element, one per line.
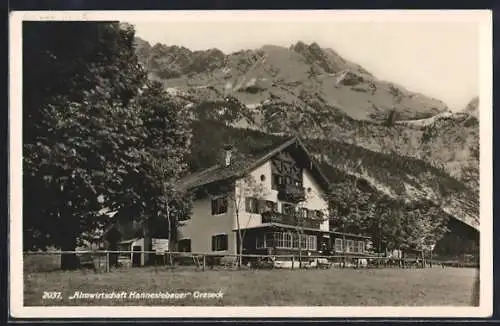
<point x="293" y="261"/>
<point x="204" y="262"/>
<point x="107" y="261"/>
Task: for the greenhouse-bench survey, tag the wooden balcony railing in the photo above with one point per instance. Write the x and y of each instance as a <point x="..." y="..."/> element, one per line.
<point x="291" y="193"/>
<point x="275" y="217"/>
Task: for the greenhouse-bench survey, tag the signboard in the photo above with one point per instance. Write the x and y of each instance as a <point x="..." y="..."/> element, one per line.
<point x="160" y="245"/>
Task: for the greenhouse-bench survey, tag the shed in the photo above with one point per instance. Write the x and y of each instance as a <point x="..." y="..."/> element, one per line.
<point x="159" y="245"/>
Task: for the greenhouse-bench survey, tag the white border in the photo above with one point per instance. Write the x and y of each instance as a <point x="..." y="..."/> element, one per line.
<point x="482" y="17"/>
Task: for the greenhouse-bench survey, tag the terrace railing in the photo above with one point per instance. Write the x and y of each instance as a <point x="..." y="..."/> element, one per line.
<point x="291" y="193"/>
<point x="275" y="217"/>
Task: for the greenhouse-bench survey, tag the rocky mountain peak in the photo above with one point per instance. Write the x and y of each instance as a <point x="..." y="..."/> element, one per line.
<point x="472" y="108"/>
<point x="317" y="93"/>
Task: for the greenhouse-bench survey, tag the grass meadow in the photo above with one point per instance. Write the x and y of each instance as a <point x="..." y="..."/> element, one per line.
<point x="315" y="287"/>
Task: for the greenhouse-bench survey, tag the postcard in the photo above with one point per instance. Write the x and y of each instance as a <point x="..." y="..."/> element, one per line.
<point x="251" y="164"/>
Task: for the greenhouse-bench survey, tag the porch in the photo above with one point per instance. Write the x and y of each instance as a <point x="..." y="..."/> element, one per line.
<point x="283" y="239"/>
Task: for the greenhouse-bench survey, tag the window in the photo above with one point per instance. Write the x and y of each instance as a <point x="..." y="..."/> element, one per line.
<point x="278" y="239"/>
<point x="219" y="205"/>
<point x="271" y="206"/>
<point x="251" y="205"/>
<point x="283" y="240"/>
<point x="303" y="241"/>
<point x="260" y="241"/>
<point x="184" y="245"/>
<point x="355" y="246"/>
<point x="277" y="181"/>
<point x="295" y="241"/>
<point x="181" y="215"/>
<point x="262" y="177"/>
<point x="264" y="240"/>
<point x="338" y="245"/>
<point x="255" y="206"/>
<point x="350" y="246"/>
<point x="361" y="246"/>
<point x="311" y="242"/>
<point x="288" y="209"/>
<point x="219" y="242"/>
<point x="269" y="240"/>
<point x="305" y="213"/>
<point x="319" y="215"/>
<point x="287" y="240"/>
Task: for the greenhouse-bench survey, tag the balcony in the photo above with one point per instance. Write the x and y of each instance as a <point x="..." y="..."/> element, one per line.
<point x="291" y="193"/>
<point x="275" y="217"/>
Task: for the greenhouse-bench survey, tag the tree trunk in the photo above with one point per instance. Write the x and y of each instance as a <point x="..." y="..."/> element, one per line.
<point x="379" y="237"/>
<point x="240" y="239"/>
<point x="170" y="240"/>
<point x="240" y="250"/>
<point x="300" y="249"/>
<point x="148" y="244"/>
<point x="69" y="261"/>
<point x="401" y="258"/>
<point x="343" y="246"/>
<point x="113" y="257"/>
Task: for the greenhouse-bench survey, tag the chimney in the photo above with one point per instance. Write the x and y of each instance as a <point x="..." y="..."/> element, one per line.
<point x="227" y="155"/>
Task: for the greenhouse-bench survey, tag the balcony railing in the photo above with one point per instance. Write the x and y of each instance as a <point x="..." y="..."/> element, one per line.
<point x="275" y="217"/>
<point x="291" y="193"/>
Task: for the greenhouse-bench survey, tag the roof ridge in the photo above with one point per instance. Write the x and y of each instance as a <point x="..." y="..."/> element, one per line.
<point x="243" y="165"/>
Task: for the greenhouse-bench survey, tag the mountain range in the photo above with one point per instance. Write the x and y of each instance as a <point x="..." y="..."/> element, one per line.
<point x="332" y="102"/>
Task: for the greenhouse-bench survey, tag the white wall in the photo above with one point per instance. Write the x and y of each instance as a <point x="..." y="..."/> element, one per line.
<point x="264" y="191"/>
<point x="203" y="225"/>
<point x="315" y="198"/>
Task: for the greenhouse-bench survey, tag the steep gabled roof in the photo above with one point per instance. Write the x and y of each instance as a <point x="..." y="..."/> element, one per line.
<point x="239" y="167"/>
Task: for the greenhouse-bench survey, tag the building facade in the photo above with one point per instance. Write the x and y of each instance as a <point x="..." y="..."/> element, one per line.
<point x="276" y="201"/>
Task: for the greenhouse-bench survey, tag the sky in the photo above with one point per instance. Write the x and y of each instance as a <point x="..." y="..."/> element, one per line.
<point x="437" y="57"/>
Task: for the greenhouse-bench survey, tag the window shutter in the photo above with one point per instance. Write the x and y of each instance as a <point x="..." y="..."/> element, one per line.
<point x="224" y="242"/>
<point x="213" y="243"/>
<point x="214" y="206"/>
<point x="224" y="204"/>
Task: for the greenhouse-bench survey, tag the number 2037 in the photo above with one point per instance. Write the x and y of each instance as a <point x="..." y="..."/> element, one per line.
<point x="50" y="295"/>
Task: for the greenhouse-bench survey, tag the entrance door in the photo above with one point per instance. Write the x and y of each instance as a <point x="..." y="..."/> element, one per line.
<point x="136" y="256"/>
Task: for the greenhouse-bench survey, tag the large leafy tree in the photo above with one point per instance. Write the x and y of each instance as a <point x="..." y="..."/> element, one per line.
<point x="89" y="132"/>
<point x="350" y="206"/>
<point x="392" y="223"/>
<point x="167" y="137"/>
<point x="428" y="225"/>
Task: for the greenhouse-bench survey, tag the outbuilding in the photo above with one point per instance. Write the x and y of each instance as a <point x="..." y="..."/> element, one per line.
<point x="136" y="246"/>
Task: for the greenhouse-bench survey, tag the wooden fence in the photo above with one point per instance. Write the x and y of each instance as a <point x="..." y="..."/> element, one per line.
<point x="108" y="260"/>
